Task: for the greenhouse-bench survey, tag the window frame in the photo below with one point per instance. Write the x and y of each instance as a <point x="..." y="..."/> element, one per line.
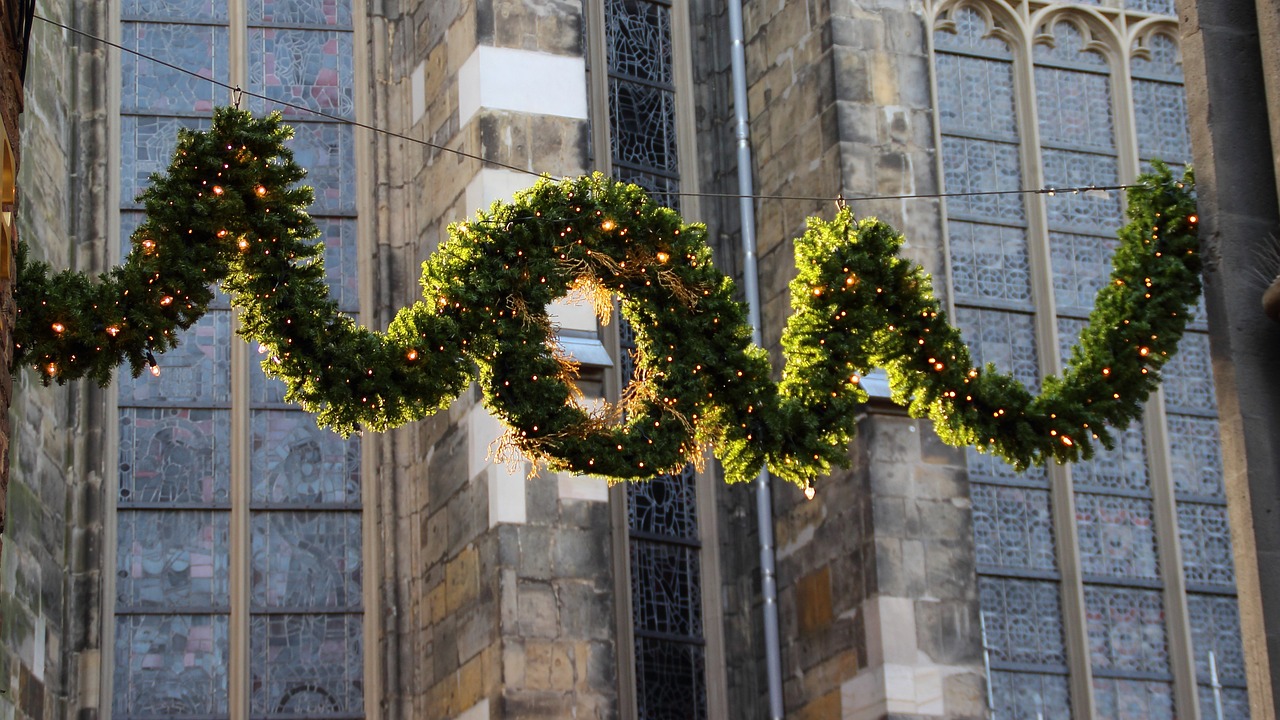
<point x="241" y="405"/>
<point x="1120" y="35"/>
<point x="706" y="485"/>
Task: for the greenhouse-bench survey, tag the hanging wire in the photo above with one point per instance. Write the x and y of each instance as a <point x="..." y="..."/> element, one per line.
<point x="239" y="92"/>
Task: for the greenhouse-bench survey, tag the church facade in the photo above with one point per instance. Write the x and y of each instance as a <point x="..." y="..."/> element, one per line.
<point x="189" y="545"/>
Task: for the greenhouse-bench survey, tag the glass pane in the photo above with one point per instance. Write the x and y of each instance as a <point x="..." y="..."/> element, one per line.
<point x="1195" y="454"/>
<point x="1126" y="629"/>
<point x="1081" y="267"/>
<point x="665" y="505"/>
<point x="968" y="31"/>
<point x="638" y="37"/>
<point x="984" y="466"/>
<point x="1235" y="703"/>
<point x="989" y="262"/>
<point x="975" y="95"/>
<point x="1023" y="620"/>
<point x="295" y="461"/>
<point x="1165" y="62"/>
<point x="181" y="10"/>
<point x="971" y="165"/>
<point x="1188" y="376"/>
<point x="1215" y="627"/>
<point x="642" y="125"/>
<point x="147" y="145"/>
<point x="1006" y="339"/>
<point x="1075" y="108"/>
<point x="336" y="13"/>
<point x="310" y="68"/>
<point x="662" y="190"/>
<point x="1159" y="7"/>
<point x="1013" y="527"/>
<point x="305" y="666"/>
<point x="1206" y="544"/>
<point x="1160" y="110"/>
<point x="341" y="261"/>
<point x="1117" y="536"/>
<point x="172" y="559"/>
<point x="327" y="151"/>
<point x="1133" y="699"/>
<point x="669" y="680"/>
<point x="1068" y="47"/>
<point x="197" y="371"/>
<point x="173" y="455"/>
<point x="1086" y="212"/>
<point x="170" y="666"/>
<point x="1123" y="467"/>
<point x="1029" y="696"/>
<point x="150" y="87"/>
<point x="666" y="592"/>
<point x="305" y="560"/>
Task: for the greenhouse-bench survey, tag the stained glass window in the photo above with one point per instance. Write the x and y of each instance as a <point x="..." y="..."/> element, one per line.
<point x="663" y="537"/>
<point x="1072" y="67"/>
<point x="176" y="550"/>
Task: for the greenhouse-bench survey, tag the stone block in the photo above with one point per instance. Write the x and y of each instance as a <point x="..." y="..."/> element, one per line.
<point x="447" y="465"/>
<point x="513" y="664"/>
<point x="827" y="706"/>
<point x="580" y="554"/>
<point x="535" y="553"/>
<point x="475" y="678"/>
<point x="548" y="665"/>
<point x="949" y="632"/>
<point x="477" y="630"/>
<point x="542" y="501"/>
<point x="950" y="568"/>
<point x="539" y="615"/>
<point x="813" y="601"/>
<point x="468" y="513"/>
<point x="588" y="613"/>
<point x="462" y="580"/>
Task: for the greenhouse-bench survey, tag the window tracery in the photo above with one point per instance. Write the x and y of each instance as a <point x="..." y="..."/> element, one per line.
<point x="1000" y="70"/>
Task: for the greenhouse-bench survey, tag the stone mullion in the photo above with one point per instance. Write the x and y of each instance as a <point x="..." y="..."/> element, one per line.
<point x="370" y="542"/>
<point x="1155" y="419"/>
<point x="111" y="484"/>
<point x="1074" y="625"/>
<point x="238" y="662"/>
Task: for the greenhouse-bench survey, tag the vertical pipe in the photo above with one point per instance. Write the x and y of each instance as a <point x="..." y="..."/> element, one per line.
<point x="751" y="283"/>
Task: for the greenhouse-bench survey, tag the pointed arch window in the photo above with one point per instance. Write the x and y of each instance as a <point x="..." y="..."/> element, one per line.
<point x="1103" y="587"/>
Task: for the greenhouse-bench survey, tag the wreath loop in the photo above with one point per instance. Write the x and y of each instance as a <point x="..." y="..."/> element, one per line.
<point x="230" y="210"/>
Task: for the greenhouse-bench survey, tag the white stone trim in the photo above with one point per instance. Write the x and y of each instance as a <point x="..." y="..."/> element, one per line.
<point x="582" y="487"/>
<point x="418" y="91"/>
<point x="506" y="484"/>
<point x="494" y="184"/>
<point x="524" y="81"/>
<point x="479" y="711"/>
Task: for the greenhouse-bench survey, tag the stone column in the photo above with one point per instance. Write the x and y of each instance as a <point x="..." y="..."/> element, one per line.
<point x="877" y="589"/>
<point x="500" y="593"/>
<point x="1231" y="119"/>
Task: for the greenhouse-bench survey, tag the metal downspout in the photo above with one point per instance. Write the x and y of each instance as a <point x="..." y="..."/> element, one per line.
<point x="751" y="283"/>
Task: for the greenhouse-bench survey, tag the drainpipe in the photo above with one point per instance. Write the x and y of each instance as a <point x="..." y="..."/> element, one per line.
<point x="751" y="282"/>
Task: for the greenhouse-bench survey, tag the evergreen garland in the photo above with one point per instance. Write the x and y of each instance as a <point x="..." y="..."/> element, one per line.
<point x="230" y="210"/>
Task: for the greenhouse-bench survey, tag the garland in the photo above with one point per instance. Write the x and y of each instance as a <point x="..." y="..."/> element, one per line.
<point x="230" y="210"/>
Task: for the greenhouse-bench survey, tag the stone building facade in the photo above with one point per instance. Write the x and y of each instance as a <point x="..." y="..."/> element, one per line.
<point x="189" y="546"/>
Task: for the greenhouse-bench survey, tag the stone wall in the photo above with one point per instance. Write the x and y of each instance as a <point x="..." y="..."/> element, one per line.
<point x="498" y="586"/>
<point x="49" y="579"/>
